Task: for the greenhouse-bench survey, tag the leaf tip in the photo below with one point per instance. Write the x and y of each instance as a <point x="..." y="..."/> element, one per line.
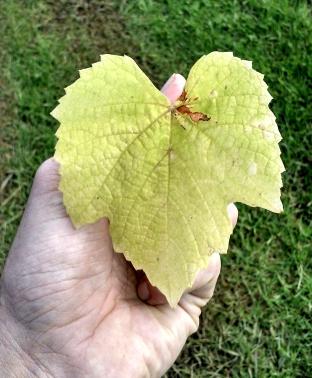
<point x="85" y="73"/>
<point x="247" y="63"/>
<point x="277" y="207"/>
<point x="55" y="113"/>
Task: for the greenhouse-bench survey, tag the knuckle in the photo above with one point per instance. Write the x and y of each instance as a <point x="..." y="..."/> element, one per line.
<point x="194" y="325"/>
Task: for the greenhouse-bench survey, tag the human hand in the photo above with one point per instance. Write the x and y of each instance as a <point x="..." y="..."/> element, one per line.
<point x="72" y="307"/>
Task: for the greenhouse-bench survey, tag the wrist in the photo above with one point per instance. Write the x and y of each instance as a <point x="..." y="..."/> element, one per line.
<point x="15" y="361"/>
<point x="22" y="354"/>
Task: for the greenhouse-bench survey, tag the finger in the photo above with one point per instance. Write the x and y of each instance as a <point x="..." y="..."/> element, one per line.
<point x="203" y="286"/>
<point x="149" y="293"/>
<point x="202" y="291"/>
<point x="233" y="213"/>
<point x="173" y="87"/>
<point x="206" y="278"/>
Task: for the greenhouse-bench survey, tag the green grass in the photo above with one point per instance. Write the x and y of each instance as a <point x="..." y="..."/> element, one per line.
<point x="259" y="322"/>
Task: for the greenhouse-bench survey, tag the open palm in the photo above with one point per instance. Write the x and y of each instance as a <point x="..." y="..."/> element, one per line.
<point x="78" y="301"/>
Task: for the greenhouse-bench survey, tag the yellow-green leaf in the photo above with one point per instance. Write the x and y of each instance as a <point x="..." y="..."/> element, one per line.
<point x="164" y="174"/>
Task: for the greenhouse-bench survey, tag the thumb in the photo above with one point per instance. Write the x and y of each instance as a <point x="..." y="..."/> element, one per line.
<point x="47" y="177"/>
<point x="45" y="203"/>
<point x="46" y="226"/>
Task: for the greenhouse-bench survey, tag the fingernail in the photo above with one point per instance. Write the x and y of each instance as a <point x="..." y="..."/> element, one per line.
<point x="143" y="291"/>
<point x="169" y="82"/>
<point x="174" y="87"/>
<point x="233" y="213"/>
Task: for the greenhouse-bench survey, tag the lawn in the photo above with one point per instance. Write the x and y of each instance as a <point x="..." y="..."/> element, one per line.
<point x="259" y="322"/>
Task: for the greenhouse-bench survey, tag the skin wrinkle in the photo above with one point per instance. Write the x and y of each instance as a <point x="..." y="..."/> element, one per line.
<point x="55" y="307"/>
<point x="90" y="337"/>
<point x="27" y="322"/>
<point x="27" y="349"/>
<point x="71" y="322"/>
<point x="149" y="359"/>
<point x="193" y="305"/>
<point x="66" y="362"/>
<point x="133" y="337"/>
<point x="105" y="299"/>
<point x="111" y="309"/>
<point x="193" y="320"/>
<point x="84" y="245"/>
<point x="184" y="333"/>
<point x="154" y="347"/>
<point x="63" y="280"/>
<point x="58" y="291"/>
<point x="82" y="316"/>
<point x="194" y="323"/>
<point x="64" y="267"/>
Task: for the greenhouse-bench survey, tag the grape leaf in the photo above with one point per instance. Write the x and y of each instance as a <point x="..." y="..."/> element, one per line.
<point x="164" y="174"/>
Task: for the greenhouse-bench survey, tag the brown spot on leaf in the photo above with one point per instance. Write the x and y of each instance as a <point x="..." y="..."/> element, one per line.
<point x="198" y="116"/>
<point x="183" y="109"/>
<point x="195" y="116"/>
<point x="182" y="96"/>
